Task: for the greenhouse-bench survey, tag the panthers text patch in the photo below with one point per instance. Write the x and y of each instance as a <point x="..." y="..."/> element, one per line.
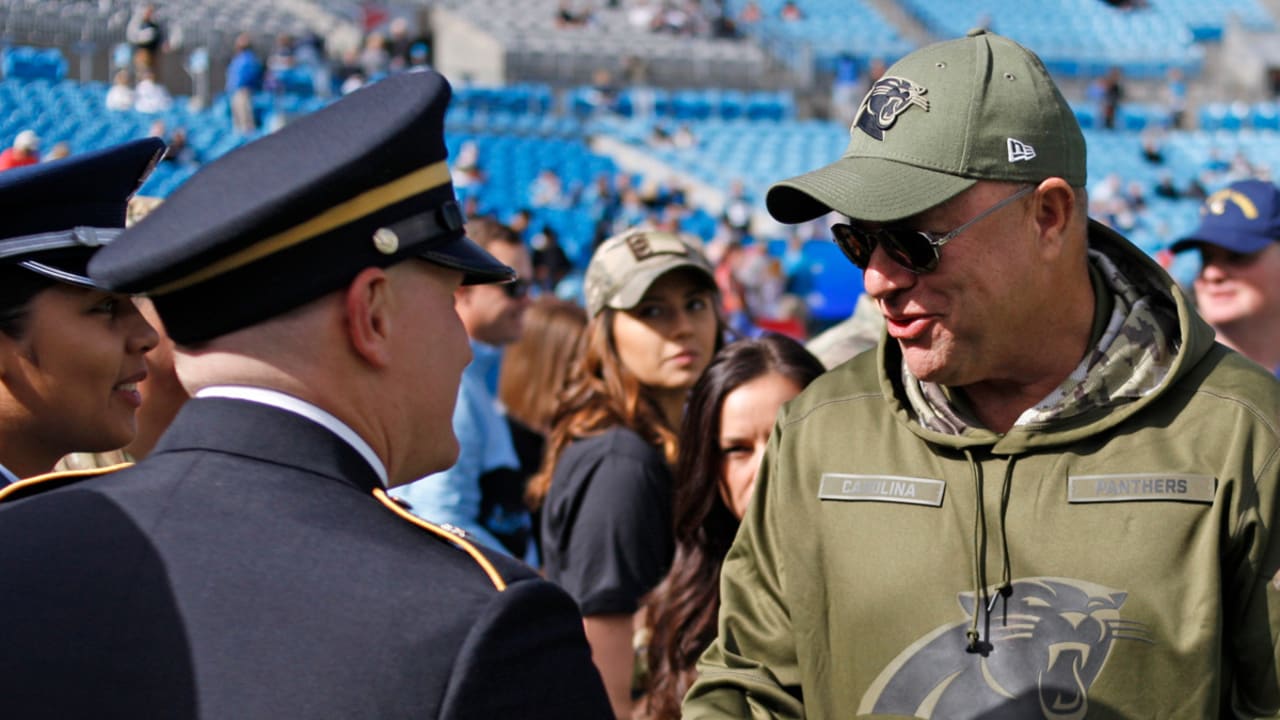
<point x="1141" y="487"/>
<point x="881" y="488"/>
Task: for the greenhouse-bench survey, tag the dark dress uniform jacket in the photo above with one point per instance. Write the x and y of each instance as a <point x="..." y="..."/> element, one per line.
<point x="245" y="570"/>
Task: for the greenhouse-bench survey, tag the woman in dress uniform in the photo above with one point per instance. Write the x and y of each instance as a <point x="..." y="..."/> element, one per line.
<point x="71" y="353"/>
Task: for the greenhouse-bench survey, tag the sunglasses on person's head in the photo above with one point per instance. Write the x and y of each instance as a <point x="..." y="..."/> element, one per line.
<point x="916" y="250"/>
<point x="516" y="289"/>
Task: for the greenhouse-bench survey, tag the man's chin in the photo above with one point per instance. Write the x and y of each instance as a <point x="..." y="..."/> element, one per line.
<point x="925" y="365"/>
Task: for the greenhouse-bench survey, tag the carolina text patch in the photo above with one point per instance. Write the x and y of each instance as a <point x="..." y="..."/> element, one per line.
<point x="1141" y="487"/>
<point x="881" y="488"/>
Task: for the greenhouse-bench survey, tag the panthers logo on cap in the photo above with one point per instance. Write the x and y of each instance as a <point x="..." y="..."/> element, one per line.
<point x="887" y="99"/>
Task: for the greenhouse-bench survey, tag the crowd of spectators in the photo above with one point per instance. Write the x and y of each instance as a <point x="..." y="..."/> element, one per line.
<point x="761" y="281"/>
<point x="637" y="466"/>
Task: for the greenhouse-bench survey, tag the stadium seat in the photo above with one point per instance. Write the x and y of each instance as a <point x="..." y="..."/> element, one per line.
<point x="30" y="63"/>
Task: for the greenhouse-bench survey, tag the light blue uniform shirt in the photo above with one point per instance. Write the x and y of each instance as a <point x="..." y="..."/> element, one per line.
<point x="484" y="441"/>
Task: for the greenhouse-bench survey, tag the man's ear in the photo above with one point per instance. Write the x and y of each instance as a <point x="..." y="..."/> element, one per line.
<point x="462" y="296"/>
<point x="1055" y="210"/>
<point x="370" y="306"/>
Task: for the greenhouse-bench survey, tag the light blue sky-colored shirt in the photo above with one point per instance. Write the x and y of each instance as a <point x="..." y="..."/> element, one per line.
<point x="484" y="440"/>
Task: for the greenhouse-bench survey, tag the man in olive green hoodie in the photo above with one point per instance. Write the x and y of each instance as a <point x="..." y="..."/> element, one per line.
<point x="1048" y="492"/>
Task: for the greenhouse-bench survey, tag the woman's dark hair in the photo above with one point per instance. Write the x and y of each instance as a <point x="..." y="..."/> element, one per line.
<point x="682" y="609"/>
<point x="17" y="287"/>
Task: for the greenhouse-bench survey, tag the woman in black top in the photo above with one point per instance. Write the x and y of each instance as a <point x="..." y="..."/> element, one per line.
<point x="605" y="489"/>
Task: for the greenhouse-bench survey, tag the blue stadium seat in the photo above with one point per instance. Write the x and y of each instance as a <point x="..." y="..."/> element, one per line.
<point x="1265" y="116"/>
<point x="29" y="63"/>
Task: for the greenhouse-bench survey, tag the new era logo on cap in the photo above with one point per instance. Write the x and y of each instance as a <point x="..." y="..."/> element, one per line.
<point x="1019" y="151"/>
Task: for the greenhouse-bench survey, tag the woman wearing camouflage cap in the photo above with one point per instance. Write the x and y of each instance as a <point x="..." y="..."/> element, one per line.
<point x="605" y="489"/>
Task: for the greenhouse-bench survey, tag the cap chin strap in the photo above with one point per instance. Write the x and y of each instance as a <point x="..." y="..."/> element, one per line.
<point x="367" y="203"/>
<point x="83" y="236"/>
<point x="437" y="224"/>
<point x="56" y="273"/>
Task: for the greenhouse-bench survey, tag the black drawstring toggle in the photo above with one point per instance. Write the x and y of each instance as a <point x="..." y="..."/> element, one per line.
<point x="977" y="645"/>
<point x="1004" y="591"/>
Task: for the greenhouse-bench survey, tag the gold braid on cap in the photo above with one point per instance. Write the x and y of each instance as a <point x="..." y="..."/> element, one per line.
<point x="368" y="202"/>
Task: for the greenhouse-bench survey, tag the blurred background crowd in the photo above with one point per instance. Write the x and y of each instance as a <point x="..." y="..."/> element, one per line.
<point x="576" y="121"/>
<point x="573" y="119"/>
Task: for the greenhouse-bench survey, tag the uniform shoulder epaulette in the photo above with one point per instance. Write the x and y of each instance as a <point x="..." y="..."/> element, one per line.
<point x="450" y="534"/>
<point x="37" y="484"/>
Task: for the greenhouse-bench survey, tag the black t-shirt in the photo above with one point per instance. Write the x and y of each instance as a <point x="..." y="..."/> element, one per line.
<point x="606" y="521"/>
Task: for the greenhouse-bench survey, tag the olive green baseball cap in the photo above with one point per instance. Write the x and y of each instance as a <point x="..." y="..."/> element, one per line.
<point x="940" y="119"/>
<point x="624" y="266"/>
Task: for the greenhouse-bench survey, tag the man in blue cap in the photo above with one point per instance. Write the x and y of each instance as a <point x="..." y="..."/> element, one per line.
<point x="253" y="566"/>
<point x="71" y="353"/>
<point x="1238" y="286"/>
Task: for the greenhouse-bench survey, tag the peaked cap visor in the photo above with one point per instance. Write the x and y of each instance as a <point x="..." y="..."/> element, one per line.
<point x="863" y="188"/>
<point x="477" y="265"/>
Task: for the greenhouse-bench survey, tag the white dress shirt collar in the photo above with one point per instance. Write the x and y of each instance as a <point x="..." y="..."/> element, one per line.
<point x="280" y="400"/>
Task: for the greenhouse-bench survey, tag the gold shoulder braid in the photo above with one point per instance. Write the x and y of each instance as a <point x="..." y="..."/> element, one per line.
<point x="457" y="539"/>
<point x="37" y="484"/>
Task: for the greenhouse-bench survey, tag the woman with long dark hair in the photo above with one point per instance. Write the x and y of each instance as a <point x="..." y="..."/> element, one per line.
<point x="605" y="489"/>
<point x="726" y="427"/>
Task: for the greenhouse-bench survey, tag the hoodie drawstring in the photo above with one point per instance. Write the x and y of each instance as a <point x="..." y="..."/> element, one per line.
<point x="1006" y="575"/>
<point x="979" y="553"/>
<point x="983" y="599"/>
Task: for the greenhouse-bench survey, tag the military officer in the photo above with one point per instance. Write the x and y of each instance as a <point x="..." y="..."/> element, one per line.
<point x="71" y="353"/>
<point x="253" y="566"/>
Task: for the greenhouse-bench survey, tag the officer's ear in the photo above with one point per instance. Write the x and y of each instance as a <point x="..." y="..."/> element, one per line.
<point x="368" y="317"/>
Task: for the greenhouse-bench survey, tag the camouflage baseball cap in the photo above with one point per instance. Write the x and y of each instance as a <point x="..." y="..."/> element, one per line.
<point x="940" y="119"/>
<point x="625" y="265"/>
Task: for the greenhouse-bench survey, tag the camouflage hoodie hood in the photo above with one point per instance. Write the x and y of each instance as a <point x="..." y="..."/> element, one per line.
<point x="1150" y="336"/>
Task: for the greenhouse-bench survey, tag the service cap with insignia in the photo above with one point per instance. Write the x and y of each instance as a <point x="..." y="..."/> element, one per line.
<point x="950" y="114"/>
<point x="57" y="214"/>
<point x="624" y="266"/>
<point x="299" y="213"/>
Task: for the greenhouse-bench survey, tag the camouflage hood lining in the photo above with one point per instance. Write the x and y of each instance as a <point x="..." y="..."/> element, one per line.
<point x="1136" y="355"/>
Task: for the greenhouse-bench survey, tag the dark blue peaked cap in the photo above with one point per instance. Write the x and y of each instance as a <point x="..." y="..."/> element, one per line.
<point x="56" y="215"/>
<point x="299" y="213"/>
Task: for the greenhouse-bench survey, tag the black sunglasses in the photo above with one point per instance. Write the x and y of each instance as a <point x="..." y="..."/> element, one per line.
<point x="916" y="250"/>
<point x="517" y="289"/>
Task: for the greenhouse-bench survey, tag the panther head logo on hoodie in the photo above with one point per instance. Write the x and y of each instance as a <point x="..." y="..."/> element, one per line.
<point x="1047" y="647"/>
